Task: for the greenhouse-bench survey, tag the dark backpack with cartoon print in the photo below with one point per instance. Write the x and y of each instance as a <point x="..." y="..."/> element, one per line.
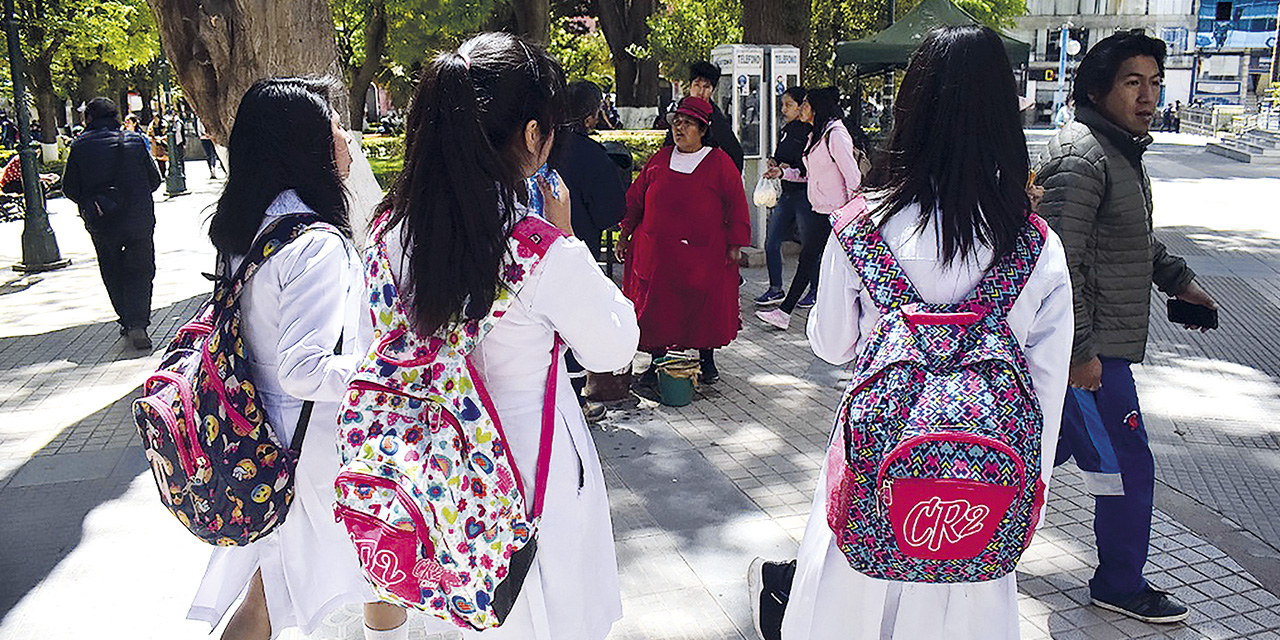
<point x="219" y="466"/>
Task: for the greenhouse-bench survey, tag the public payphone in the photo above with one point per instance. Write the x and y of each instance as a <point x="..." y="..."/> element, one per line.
<point x="753" y="78"/>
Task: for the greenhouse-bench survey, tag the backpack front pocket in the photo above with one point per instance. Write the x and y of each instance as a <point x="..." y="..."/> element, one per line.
<point x="387" y="527"/>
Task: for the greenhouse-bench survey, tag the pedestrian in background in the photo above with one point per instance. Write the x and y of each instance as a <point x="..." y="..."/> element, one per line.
<point x="681" y="238"/>
<point x="110" y="178"/>
<point x="1097" y="196"/>
<point x="158" y="133"/>
<point x="831" y="167"/>
<point x="210" y="153"/>
<point x="792" y="209"/>
<point x="483" y="122"/>
<point x="953" y="206"/>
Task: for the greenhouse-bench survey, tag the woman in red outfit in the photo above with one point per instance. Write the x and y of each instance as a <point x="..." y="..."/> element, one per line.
<point x="686" y="220"/>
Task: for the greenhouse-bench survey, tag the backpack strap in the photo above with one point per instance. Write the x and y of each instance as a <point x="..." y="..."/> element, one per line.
<point x="871" y="258"/>
<point x="279" y="233"/>
<point x="999" y="288"/>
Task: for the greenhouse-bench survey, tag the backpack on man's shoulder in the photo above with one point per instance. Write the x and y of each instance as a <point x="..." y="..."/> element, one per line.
<point x="933" y="473"/>
<point x="429" y="490"/>
<point x="219" y="466"/>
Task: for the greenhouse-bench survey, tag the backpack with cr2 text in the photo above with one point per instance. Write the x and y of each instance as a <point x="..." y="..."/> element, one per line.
<point x="934" y="466"/>
<point x="429" y="491"/>
<point x="218" y="463"/>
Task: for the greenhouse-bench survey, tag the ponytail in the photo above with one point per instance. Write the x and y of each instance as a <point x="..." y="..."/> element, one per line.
<point x="455" y="198"/>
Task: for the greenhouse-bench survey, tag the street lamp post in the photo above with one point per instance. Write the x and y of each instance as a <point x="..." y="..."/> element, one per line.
<point x="39" y="247"/>
<point x="176" y="180"/>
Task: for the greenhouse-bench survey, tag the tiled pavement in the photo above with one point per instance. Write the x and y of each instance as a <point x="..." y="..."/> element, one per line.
<point x="696" y="491"/>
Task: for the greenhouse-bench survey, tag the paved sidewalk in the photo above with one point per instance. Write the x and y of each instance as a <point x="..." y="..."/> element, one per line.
<point x="697" y="491"/>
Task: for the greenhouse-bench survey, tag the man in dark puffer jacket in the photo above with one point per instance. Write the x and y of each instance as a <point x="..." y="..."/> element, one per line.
<point x="110" y="176"/>
<point x="1098" y="198"/>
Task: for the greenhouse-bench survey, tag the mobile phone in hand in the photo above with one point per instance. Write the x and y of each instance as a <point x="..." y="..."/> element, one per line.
<point x="1181" y="312"/>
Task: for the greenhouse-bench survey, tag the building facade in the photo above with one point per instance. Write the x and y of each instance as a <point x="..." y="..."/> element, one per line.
<point x="1087" y="22"/>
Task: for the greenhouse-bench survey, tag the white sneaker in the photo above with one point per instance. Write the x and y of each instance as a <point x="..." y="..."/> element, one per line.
<point x="775" y="317"/>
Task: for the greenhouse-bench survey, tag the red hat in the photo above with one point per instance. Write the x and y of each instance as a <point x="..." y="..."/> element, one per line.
<point x="695" y="108"/>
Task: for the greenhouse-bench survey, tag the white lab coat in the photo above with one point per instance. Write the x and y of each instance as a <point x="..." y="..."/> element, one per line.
<point x="293" y="310"/>
<point x="571" y="592"/>
<point x="830" y="600"/>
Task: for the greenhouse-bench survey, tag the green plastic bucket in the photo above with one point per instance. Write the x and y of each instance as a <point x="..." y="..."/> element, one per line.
<point x="674" y="392"/>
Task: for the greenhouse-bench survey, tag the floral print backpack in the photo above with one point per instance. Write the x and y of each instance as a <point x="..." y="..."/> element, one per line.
<point x="933" y="473"/>
<point x="219" y="466"/>
<point x="429" y="490"/>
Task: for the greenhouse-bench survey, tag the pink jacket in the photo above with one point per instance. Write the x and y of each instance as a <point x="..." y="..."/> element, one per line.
<point x="832" y="170"/>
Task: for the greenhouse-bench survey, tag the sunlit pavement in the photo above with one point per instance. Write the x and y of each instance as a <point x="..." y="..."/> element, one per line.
<point x="697" y="491"/>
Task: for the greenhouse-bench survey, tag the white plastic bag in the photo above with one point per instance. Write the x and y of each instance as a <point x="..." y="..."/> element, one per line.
<point x="767" y="192"/>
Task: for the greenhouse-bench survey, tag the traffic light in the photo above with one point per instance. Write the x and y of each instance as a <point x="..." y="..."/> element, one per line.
<point x="1044" y="75"/>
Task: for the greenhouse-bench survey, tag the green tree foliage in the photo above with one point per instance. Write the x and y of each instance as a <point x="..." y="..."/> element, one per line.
<point x="64" y="37"/>
<point x="685" y="31"/>
<point x="582" y="51"/>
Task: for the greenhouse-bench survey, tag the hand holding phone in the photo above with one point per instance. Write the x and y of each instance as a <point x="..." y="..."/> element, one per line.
<point x="1192" y="315"/>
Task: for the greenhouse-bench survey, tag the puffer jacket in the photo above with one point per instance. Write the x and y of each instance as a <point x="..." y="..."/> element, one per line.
<point x="104" y="156"/>
<point x="1097" y="197"/>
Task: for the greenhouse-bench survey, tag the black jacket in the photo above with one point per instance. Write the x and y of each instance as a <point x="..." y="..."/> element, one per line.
<point x="595" y="187"/>
<point x="721" y="134"/>
<point x="791" y="145"/>
<point x="105" y="155"/>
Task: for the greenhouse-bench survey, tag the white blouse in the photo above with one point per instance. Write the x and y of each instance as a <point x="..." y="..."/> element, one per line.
<point x="292" y="311"/>
<point x="829" y="599"/>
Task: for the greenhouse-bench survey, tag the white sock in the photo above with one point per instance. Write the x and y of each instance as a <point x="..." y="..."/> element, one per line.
<point x="399" y="633"/>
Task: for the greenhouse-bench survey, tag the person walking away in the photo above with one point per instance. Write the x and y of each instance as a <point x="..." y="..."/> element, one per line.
<point x="686" y="223"/>
<point x="210" y="152"/>
<point x="954" y="208"/>
<point x="793" y="207"/>
<point x="831" y="161"/>
<point x="484" y="120"/>
<point x="703" y="78"/>
<point x="1098" y="198"/>
<point x="158" y="134"/>
<point x="596" y="196"/>
<point x="110" y="178"/>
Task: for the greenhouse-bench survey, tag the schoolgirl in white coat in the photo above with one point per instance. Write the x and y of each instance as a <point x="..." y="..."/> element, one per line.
<point x="482" y="122"/>
<point x="957" y="143"/>
<point x="288" y="155"/>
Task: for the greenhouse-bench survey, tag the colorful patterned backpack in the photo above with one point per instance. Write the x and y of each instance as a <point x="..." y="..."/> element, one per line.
<point x="217" y="462"/>
<point x="934" y="467"/>
<point x="429" y="490"/>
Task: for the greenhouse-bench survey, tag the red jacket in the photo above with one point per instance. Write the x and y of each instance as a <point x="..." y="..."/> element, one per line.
<point x="678" y="273"/>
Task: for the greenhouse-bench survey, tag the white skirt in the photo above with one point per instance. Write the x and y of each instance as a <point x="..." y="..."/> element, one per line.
<point x="832" y="601"/>
<point x="309" y="566"/>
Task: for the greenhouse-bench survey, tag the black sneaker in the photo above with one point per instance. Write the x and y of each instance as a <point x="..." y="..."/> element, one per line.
<point x="770" y="297"/>
<point x="808" y="300"/>
<point x="1152" y="605"/>
<point x="770" y="589"/>
<point x="594" y="412"/>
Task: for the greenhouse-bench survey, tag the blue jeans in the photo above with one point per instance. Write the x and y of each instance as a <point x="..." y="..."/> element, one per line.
<point x="783" y="221"/>
<point x="1104" y="432"/>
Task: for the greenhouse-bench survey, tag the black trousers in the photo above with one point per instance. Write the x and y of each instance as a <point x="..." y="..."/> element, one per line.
<point x="127" y="261"/>
<point x="814" y="231"/>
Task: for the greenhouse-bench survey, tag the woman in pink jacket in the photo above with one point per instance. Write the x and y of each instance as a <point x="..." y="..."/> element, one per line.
<point x="831" y="164"/>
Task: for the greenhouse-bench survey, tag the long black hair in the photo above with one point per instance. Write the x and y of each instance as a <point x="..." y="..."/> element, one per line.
<point x="464" y="170"/>
<point x="957" y="146"/>
<point x="825" y="104"/>
<point x="282" y="139"/>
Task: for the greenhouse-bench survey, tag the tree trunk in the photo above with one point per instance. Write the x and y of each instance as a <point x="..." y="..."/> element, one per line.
<point x="533" y="19"/>
<point x="40" y="73"/>
<point x="625" y="23"/>
<point x="777" y="22"/>
<point x="218" y="48"/>
<point x="375" y="43"/>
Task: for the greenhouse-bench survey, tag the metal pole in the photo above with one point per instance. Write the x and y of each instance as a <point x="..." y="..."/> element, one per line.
<point x="1060" y="96"/>
<point x="39" y="247"/>
<point x="176" y="180"/>
<point x="886" y="94"/>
